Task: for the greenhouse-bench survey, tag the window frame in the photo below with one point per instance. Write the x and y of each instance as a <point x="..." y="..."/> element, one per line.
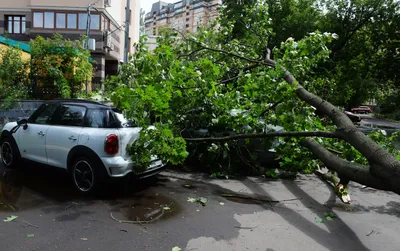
<point x="67" y="13"/>
<point x="65" y="20"/>
<point x="32" y="119"/>
<point x="76" y="20"/>
<point x="45" y="19"/>
<point x="22" y="24"/>
<point x="53" y="121"/>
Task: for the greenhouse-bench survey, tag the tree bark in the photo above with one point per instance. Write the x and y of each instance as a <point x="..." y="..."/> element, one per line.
<point x="353" y="171"/>
<point x="382" y="163"/>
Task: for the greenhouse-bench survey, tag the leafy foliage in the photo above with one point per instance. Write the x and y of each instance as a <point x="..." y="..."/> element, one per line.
<point x="14" y="72"/>
<point x="60" y="63"/>
<point x="217" y="83"/>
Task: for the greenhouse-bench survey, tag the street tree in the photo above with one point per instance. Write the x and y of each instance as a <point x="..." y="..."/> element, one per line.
<point x="195" y="81"/>
<point x="61" y="64"/>
<point x="14" y="70"/>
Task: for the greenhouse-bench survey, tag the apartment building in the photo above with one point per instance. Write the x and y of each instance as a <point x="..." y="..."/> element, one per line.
<point x="184" y="15"/>
<point x="23" y="20"/>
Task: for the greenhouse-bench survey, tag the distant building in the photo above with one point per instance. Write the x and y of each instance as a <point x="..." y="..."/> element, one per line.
<point x="23" y="20"/>
<point x="185" y="15"/>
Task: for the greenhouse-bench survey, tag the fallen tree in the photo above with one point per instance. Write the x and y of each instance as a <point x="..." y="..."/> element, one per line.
<point x="230" y="88"/>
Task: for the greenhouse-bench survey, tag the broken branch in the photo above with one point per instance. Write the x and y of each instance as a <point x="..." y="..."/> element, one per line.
<point x="268" y="135"/>
<point x="248" y="197"/>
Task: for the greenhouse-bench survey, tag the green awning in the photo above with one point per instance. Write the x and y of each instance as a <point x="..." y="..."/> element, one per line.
<point x="20" y="45"/>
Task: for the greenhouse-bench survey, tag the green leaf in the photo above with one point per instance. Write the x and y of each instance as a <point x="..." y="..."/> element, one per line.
<point x="319" y="220"/>
<point x="166" y="208"/>
<point x="328" y="218"/>
<point x="176" y="248"/>
<point x="203" y="200"/>
<point x="30" y="235"/>
<point x="10" y="218"/>
<point x="192" y="200"/>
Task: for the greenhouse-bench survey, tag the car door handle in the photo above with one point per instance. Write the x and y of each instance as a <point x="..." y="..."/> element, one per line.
<point x="41" y="133"/>
<point x="72" y="138"/>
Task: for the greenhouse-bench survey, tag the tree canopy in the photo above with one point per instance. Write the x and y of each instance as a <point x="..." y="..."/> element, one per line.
<point x="260" y="66"/>
<point x="60" y="64"/>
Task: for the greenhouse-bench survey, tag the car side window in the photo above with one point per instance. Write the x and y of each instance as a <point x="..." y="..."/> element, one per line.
<point x="43" y="114"/>
<point x="96" y="118"/>
<point x="69" y="115"/>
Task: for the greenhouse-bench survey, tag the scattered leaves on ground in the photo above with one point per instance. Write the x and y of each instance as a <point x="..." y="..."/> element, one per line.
<point x="176" y="248"/>
<point x="201" y="200"/>
<point x="166" y="208"/>
<point x="221" y="203"/>
<point x="329" y="216"/>
<point x="10" y="218"/>
<point x="319" y="220"/>
<point x="84" y="239"/>
<point x="30" y="235"/>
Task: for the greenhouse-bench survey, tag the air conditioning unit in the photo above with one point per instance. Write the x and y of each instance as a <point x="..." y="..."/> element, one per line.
<point x="90" y="45"/>
<point x="112" y="47"/>
<point x="107" y="39"/>
<point x="107" y="3"/>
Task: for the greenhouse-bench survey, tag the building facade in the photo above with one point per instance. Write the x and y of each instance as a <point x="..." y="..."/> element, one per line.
<point x="23" y="20"/>
<point x="185" y="15"/>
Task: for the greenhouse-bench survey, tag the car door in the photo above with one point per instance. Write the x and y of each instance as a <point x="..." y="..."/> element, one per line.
<point x="64" y="133"/>
<point x="32" y="140"/>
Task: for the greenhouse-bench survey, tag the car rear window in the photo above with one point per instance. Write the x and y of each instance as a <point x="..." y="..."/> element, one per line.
<point x="96" y="118"/>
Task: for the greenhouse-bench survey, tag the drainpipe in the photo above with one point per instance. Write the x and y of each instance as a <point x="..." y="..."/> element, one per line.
<point x="127" y="19"/>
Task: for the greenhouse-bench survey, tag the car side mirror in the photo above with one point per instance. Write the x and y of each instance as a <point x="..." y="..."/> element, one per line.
<point x="23" y="123"/>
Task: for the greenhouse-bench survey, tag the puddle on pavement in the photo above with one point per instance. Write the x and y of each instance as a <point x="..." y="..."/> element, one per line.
<point x="10" y="191"/>
<point x="148" y="208"/>
<point x="244" y="201"/>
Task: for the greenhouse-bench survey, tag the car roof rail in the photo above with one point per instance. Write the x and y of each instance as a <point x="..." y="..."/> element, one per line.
<point x="77" y="100"/>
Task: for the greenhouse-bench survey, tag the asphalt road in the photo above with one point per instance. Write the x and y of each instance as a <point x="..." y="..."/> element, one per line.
<point x="378" y="121"/>
<point x="51" y="216"/>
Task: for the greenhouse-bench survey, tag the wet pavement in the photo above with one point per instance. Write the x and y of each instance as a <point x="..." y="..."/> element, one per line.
<point x="156" y="215"/>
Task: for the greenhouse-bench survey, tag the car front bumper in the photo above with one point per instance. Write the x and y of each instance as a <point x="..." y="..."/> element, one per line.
<point x="119" y="167"/>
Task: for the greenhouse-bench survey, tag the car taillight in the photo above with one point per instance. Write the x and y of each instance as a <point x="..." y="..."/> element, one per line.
<point x="111" y="145"/>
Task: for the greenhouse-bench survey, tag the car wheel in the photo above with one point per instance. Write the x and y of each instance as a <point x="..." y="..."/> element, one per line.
<point x="86" y="175"/>
<point x="9" y="153"/>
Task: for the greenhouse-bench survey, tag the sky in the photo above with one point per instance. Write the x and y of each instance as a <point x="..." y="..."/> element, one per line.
<point x="146" y="4"/>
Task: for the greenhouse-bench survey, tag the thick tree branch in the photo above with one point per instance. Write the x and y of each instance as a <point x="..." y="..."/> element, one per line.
<point x="382" y="163"/>
<point x="267" y="135"/>
<point x="191" y="53"/>
<point x="349" y="170"/>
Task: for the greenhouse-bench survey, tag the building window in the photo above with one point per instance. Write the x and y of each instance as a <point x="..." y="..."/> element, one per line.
<point x="154" y="23"/>
<point x="187" y="25"/>
<point x="16" y="24"/>
<point x="49" y="20"/>
<point x="38" y="19"/>
<point x="82" y="20"/>
<point x="106" y="23"/>
<point x="187" y="19"/>
<point x="95" y="22"/>
<point x="154" y="31"/>
<point x="187" y="13"/>
<point x="71" y="21"/>
<point x="61" y="20"/>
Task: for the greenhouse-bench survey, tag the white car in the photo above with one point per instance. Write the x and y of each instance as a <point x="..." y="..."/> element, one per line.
<point x="86" y="138"/>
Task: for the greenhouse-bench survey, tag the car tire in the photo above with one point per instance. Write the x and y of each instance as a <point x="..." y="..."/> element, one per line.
<point x="87" y="174"/>
<point x="10" y="156"/>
